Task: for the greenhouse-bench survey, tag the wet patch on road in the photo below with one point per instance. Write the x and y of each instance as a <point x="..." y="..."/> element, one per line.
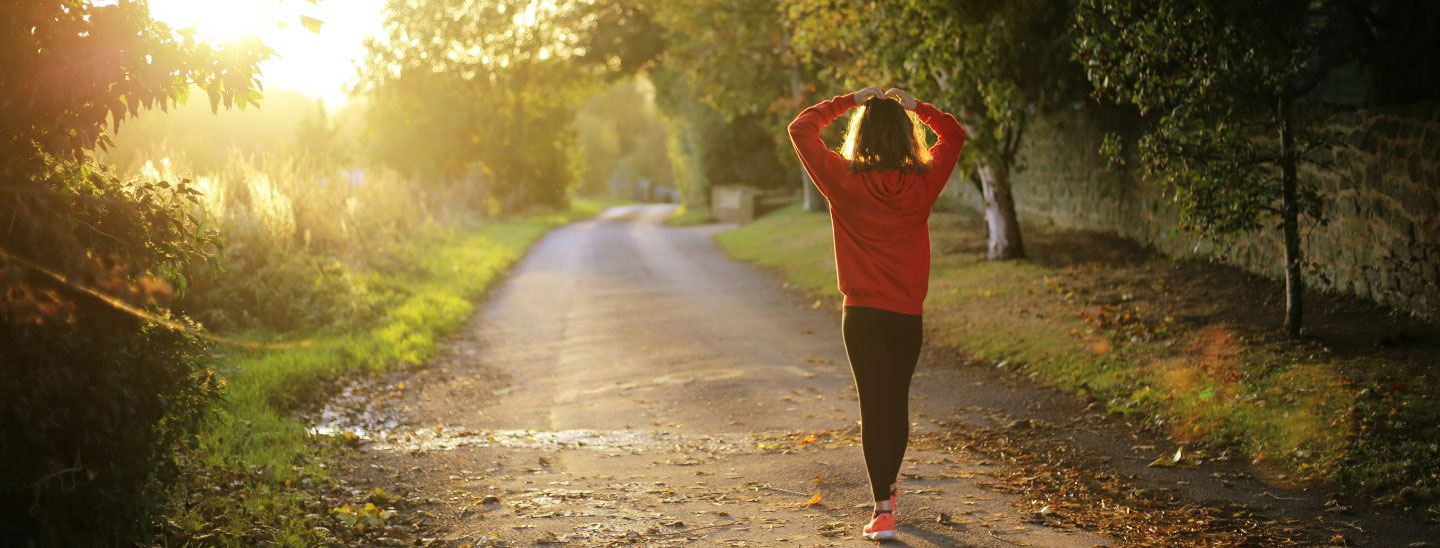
<point x="448" y="438"/>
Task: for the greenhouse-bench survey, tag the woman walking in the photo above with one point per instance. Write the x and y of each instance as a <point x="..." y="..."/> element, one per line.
<point x="881" y="187"/>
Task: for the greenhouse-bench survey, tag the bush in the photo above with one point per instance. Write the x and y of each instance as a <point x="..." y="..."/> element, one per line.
<point x="302" y="241"/>
<point x="96" y="396"/>
<point x="92" y="399"/>
<point x="92" y="415"/>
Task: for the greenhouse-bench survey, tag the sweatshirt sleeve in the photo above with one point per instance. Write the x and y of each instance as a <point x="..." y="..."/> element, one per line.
<point x="824" y="166"/>
<point x="946" y="151"/>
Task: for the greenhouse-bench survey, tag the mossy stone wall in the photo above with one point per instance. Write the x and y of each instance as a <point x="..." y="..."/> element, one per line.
<point x="1382" y="241"/>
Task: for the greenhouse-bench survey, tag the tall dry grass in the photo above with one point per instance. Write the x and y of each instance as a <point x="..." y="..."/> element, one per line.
<point x="301" y="239"/>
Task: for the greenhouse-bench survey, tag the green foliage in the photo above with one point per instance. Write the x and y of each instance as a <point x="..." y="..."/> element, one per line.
<point x="731" y="56"/>
<point x="620" y="35"/>
<point x="1215" y="80"/>
<point x="726" y="84"/>
<point x="685" y="145"/>
<point x="140" y="64"/>
<point x="483" y="91"/>
<point x="297" y="237"/>
<point x="621" y="138"/>
<point x="261" y="291"/>
<point x="706" y="149"/>
<point x="1219" y="82"/>
<point x="93" y="415"/>
<point x="95" y="401"/>
<point x="997" y="63"/>
<point x="64" y="212"/>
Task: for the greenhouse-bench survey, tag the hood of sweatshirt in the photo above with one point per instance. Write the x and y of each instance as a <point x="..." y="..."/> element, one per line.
<point x="897" y="190"/>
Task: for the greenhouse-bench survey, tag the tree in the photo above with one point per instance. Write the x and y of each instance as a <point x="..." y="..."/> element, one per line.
<point x="621" y="138"/>
<point x="72" y="69"/>
<point x="97" y="398"/>
<point x="1218" y="83"/>
<point x="997" y="63"/>
<point x="483" y="87"/>
<point x="734" y="57"/>
<point x="726" y="82"/>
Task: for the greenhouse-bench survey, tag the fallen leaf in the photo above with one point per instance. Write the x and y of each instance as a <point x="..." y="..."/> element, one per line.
<point x="817" y="499"/>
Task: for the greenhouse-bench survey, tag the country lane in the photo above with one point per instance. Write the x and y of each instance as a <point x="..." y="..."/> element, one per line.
<point x="628" y="384"/>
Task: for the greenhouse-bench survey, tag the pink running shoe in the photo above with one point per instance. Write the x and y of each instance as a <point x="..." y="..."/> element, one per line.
<point x="881" y="526"/>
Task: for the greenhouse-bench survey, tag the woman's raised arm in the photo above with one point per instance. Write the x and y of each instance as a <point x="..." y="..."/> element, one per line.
<point x="946" y="150"/>
<point x="822" y="164"/>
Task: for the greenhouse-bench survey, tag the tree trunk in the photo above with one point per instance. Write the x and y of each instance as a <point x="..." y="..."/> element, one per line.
<point x="814" y="201"/>
<point x="1290" y="224"/>
<point x="1000" y="220"/>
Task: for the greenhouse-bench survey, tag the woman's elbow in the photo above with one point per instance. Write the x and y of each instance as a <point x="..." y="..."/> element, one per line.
<point x="796" y="127"/>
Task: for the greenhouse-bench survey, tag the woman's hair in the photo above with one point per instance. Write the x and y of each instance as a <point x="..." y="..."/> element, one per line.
<point x="885" y="136"/>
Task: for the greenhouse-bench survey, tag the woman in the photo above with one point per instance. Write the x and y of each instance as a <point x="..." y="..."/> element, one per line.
<point x="880" y="188"/>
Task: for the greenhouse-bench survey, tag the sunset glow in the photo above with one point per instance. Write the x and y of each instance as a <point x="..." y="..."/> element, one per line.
<point x="319" y="64"/>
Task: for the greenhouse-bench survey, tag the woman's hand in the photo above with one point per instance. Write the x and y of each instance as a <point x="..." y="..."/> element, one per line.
<point x="906" y="100"/>
<point x="864" y="94"/>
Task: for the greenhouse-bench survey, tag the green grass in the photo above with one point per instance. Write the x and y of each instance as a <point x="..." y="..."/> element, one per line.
<point x="1109" y="331"/>
<point x="684" y="216"/>
<point x="796" y="245"/>
<point x="254" y="444"/>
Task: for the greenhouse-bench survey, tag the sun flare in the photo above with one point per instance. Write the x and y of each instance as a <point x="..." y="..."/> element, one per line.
<point x="318" y="59"/>
<point x="217" y="21"/>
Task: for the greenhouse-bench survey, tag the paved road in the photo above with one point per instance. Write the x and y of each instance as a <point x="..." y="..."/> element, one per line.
<point x="629" y="383"/>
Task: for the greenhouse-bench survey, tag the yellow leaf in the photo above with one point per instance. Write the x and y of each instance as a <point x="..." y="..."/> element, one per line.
<point x="817" y="499"/>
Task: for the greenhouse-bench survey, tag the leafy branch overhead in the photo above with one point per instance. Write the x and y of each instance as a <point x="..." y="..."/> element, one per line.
<point x="996" y="64"/>
<point x="1218" y="83"/>
<point x="481" y="92"/>
<point x="1212" y="78"/>
<point x="74" y="70"/>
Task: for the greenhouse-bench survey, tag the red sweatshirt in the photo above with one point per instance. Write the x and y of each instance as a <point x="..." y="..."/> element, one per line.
<point x="882" y="239"/>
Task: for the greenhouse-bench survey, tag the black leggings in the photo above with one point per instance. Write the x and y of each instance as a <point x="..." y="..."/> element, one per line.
<point x="883" y="348"/>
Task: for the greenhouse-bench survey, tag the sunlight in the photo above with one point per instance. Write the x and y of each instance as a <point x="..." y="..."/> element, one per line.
<point x="216" y="20"/>
<point x="319" y="64"/>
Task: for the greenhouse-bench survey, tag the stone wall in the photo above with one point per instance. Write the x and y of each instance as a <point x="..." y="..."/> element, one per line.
<point x="1382" y="241"/>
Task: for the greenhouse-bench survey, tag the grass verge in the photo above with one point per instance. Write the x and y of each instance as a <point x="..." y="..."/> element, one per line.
<point x="1190" y="349"/>
<point x="684" y="216"/>
<point x="256" y="477"/>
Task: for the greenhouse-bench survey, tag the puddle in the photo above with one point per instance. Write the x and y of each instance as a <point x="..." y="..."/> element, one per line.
<point x="359" y="405"/>
<point x="362" y="411"/>
<point x="449" y="438"/>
